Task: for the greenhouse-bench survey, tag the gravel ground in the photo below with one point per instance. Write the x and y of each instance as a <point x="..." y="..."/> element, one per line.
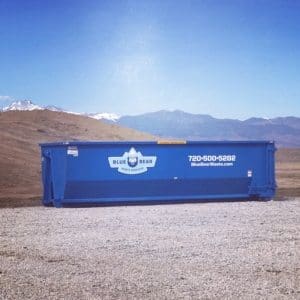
<point x="234" y="250"/>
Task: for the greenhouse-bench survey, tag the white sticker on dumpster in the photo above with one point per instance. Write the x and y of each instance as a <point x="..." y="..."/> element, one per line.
<point x="72" y="150"/>
<point x="132" y="162"/>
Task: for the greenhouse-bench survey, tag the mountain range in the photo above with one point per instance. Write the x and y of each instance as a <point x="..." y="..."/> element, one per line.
<point x="178" y="124"/>
<point x="182" y="125"/>
<point x="28" y="105"/>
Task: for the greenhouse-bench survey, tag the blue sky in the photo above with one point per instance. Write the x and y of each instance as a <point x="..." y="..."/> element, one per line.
<point x="232" y="59"/>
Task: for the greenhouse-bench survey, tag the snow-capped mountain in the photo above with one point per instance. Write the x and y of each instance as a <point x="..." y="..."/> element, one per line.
<point x="22" y="105"/>
<point x="29" y="105"/>
<point x="106" y="116"/>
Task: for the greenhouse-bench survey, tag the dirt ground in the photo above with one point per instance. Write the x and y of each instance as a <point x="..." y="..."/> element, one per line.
<point x="247" y="250"/>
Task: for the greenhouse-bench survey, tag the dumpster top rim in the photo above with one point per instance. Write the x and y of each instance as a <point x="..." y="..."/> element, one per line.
<point x="170" y="142"/>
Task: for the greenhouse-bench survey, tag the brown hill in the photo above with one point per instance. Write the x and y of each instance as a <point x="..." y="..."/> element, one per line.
<point x="288" y="172"/>
<point x="22" y="131"/>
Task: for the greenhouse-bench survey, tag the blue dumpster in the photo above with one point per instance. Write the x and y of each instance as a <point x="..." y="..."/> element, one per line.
<point x="76" y="173"/>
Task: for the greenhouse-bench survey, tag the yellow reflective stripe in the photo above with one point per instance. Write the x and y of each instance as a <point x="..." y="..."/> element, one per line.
<point x="170" y="142"/>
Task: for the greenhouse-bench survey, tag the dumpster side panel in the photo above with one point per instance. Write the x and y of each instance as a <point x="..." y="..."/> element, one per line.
<point x="54" y="171"/>
<point x="46" y="179"/>
<point x="135" y="171"/>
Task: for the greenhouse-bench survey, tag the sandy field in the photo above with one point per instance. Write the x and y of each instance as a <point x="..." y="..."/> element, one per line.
<point x="247" y="250"/>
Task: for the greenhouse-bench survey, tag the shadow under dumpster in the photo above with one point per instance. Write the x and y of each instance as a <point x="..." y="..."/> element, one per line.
<point x="36" y="201"/>
<point x="158" y="202"/>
